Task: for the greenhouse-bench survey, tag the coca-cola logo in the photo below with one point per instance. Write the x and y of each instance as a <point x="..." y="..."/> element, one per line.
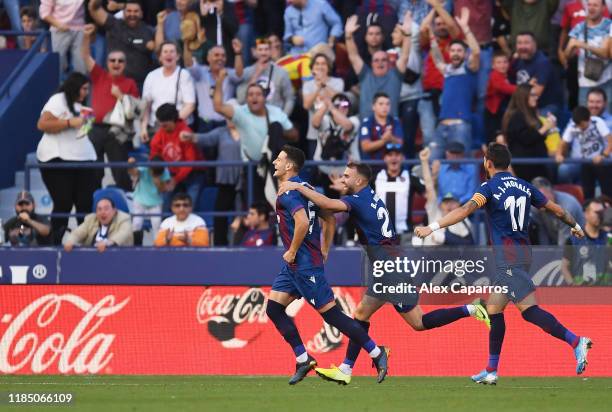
<point x="84" y="350"/>
<point x="223" y="313"/>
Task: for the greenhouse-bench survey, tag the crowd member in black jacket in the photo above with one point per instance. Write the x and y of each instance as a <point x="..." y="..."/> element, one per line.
<point x="525" y="132"/>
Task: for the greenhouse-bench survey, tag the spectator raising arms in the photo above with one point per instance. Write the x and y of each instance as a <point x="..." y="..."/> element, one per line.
<point x="167" y="84"/>
<point x="105" y="228"/>
<point x="108" y="87"/>
<point x="380" y="77"/>
<point x="183" y="228"/>
<point x="66" y="19"/>
<point x="460" y="87"/>
<point x="64" y="141"/>
<point x="130" y="35"/>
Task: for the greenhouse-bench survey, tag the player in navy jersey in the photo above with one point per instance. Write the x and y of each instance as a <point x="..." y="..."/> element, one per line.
<point x="506" y="200"/>
<point x="376" y="231"/>
<point x="302" y="274"/>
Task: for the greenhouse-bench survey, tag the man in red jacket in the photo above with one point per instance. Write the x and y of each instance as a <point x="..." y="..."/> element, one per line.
<point x="167" y="144"/>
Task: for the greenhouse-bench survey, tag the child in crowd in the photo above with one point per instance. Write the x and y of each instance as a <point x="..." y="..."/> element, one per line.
<point x="150" y="183"/>
<point x="499" y="91"/>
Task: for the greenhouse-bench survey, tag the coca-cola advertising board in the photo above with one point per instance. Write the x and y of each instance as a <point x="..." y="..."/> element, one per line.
<point x="224" y="330"/>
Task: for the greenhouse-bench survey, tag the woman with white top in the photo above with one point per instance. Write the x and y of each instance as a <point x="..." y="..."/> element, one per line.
<point x="63" y="141"/>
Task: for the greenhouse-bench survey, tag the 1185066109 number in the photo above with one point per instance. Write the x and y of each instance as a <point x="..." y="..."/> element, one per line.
<point x="36" y="398"/>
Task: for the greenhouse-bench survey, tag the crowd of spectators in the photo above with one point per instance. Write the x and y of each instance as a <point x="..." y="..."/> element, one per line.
<point x="344" y="80"/>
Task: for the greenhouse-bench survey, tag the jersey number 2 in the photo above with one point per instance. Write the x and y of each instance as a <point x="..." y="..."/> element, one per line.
<point x="383" y="214"/>
<point x="512" y="203"/>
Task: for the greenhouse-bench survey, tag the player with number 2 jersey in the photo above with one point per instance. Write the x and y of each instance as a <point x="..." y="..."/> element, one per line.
<point x="377" y="234"/>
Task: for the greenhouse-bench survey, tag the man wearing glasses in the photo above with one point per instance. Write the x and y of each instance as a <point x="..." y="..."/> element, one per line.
<point x="108" y="86"/>
<point x="183" y="228"/>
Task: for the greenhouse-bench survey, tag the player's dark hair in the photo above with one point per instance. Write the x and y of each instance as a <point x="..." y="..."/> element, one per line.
<point x="182" y="196"/>
<point x="599" y="91"/>
<point x="378" y="95"/>
<point x="167" y="113"/>
<point x="262" y="208"/>
<point x="362" y="169"/>
<point x="581" y="114"/>
<point x="589" y="202"/>
<point x="460" y="42"/>
<point x="295" y="156"/>
<point x="157" y="170"/>
<point x="72" y="89"/>
<point x="499" y="155"/>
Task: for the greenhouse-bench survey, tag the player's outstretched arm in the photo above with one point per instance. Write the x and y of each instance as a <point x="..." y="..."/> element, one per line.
<point x="324" y="202"/>
<point x="450" y="219"/>
<point x="564" y="216"/>
<point x="299" y="233"/>
<point x="329" y="228"/>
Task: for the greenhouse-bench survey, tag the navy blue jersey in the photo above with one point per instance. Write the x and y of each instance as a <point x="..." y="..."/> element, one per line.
<point x="309" y="253"/>
<point x="371" y="217"/>
<point x="507" y="200"/>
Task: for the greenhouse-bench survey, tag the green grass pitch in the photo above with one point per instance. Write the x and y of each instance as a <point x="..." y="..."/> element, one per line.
<point x="271" y="394"/>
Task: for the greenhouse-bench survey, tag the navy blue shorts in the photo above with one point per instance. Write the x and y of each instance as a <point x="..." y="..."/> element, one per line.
<point x="310" y="284"/>
<point x="516" y="279"/>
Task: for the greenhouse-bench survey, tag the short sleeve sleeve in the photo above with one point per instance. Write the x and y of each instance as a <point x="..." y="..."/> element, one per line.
<point x="482" y="195"/>
<point x="56" y="105"/>
<point x="349" y="201"/>
<point x="187" y="88"/>
<point x="568" y="135"/>
<point x="602" y="128"/>
<point x="240" y="115"/>
<point x="576" y="31"/>
<point x="147" y="92"/>
<point x="538" y="199"/>
<point x="291" y="201"/>
<point x="282" y="118"/>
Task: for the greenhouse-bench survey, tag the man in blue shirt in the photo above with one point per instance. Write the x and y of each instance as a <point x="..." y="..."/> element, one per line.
<point x="460" y="86"/>
<point x="379" y="77"/>
<point x="459" y="179"/>
<point x="310" y="22"/>
<point x="534" y="68"/>
<point x="302" y="274"/>
<point x="506" y="199"/>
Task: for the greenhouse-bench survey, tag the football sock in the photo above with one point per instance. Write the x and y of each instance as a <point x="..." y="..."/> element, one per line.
<point x="349" y="327"/>
<point x="352" y="351"/>
<point x="441" y="317"/>
<point x="496" y="340"/>
<point x="549" y="324"/>
<point x="346" y="369"/>
<point x="286" y="327"/>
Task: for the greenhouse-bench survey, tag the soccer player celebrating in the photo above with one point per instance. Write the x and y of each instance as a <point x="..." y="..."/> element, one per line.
<point x="506" y="200"/>
<point x="303" y="275"/>
<point x="376" y="231"/>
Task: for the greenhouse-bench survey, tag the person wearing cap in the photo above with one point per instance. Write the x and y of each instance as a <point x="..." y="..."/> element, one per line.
<point x="458" y="234"/>
<point x="551" y="231"/>
<point x="586" y="260"/>
<point x="396" y="186"/>
<point x="26" y="228"/>
<point x="460" y="179"/>
<point x="105" y="228"/>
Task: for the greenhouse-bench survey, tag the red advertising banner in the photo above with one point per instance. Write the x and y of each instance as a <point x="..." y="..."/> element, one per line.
<point x="224" y="330"/>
